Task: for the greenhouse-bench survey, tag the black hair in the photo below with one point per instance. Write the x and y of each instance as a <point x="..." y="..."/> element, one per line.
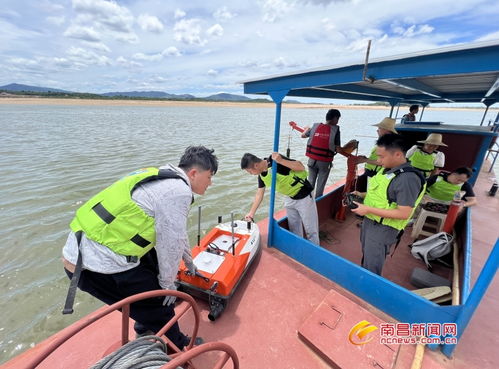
<point x="332" y="113"/>
<point x="413" y="107"/>
<point x="393" y="141"/>
<point x="248" y="160"/>
<point x="199" y="156"/>
<point x="464" y="170"/>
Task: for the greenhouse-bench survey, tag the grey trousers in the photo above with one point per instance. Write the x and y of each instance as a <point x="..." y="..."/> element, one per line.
<point x="303" y="214"/>
<point x="318" y="171"/>
<point x="376" y="240"/>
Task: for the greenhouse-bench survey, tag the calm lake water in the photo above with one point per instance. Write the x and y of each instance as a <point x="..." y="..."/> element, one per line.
<point x="53" y="158"/>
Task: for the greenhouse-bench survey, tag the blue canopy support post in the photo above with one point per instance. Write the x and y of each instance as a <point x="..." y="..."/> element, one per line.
<point x="391" y="109"/>
<point x="277" y="97"/>
<point x="488" y="103"/>
<point x="392" y="103"/>
<point x="480" y="158"/>
<point x="422" y="111"/>
<point x="397" y="112"/>
<point x="484" y="279"/>
<point x="484" y="114"/>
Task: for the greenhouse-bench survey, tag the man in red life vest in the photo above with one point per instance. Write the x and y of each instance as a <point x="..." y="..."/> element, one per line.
<point x="323" y="143"/>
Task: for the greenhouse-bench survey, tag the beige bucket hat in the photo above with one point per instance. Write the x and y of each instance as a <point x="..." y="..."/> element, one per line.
<point x="433" y="139"/>
<point x="388" y="124"/>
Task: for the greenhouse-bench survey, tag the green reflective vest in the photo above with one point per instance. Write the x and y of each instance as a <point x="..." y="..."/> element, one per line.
<point x="443" y="190"/>
<point x="288" y="185"/>
<point x="373" y="156"/>
<point x="377" y="197"/>
<point x="113" y="219"/>
<point x="423" y="161"/>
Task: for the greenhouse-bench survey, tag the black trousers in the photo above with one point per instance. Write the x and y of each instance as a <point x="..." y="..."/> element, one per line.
<point x="149" y="314"/>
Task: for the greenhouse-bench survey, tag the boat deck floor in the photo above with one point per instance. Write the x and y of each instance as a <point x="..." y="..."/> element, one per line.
<point x="278" y="295"/>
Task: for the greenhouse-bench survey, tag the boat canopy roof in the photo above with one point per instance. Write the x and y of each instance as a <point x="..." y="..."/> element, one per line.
<point x="458" y="74"/>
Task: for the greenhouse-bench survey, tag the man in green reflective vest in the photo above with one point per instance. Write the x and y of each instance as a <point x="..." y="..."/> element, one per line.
<point x="443" y="187"/>
<point x="372" y="167"/>
<point x="130" y="238"/>
<point x="392" y="195"/>
<point x="292" y="182"/>
<point x="427" y="158"/>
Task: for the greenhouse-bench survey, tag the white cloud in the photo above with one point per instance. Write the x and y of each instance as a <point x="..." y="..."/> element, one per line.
<point x="171" y="51"/>
<point x="150" y="23"/>
<point x="489" y="36"/>
<point x="58" y="21"/>
<point x="179" y="13"/>
<point x="48" y="6"/>
<point x="188" y="31"/>
<point x="82" y="33"/>
<point x="212" y="72"/>
<point x="223" y="14"/>
<point x="412" y="30"/>
<point x="100" y="46"/>
<point x="127" y="63"/>
<point x="87" y="57"/>
<point x="158" y="79"/>
<point x="23" y="62"/>
<point x="107" y="16"/>
<point x="279" y="62"/>
<point x="151" y="57"/>
<point x="274" y="10"/>
<point x="216" y="30"/>
<point x="130" y="38"/>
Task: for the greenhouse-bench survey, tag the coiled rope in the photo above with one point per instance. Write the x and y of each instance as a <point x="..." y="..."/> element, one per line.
<point x="148" y="352"/>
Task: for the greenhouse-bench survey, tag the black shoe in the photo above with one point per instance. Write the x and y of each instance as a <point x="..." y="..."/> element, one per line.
<point x="146" y="333"/>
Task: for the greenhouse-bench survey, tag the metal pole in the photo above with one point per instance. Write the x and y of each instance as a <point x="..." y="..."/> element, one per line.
<point x="232" y="232"/>
<point x="484" y="114"/>
<point x="364" y="74"/>
<point x="397" y="113"/>
<point x="391" y="110"/>
<point x="277" y="97"/>
<point x="199" y="225"/>
<point x="422" y="112"/>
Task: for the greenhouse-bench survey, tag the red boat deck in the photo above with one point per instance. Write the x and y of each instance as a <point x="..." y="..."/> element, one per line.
<point x="278" y="295"/>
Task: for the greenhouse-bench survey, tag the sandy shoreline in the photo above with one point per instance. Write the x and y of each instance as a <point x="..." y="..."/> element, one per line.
<point x="166" y="103"/>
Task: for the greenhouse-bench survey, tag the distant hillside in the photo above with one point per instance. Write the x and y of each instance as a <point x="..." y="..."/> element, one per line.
<point x="149" y="94"/>
<point x="20" y="88"/>
<point x="227" y="97"/>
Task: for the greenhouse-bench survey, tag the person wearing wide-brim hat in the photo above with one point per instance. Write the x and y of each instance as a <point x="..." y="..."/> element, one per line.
<point x="426" y="158"/>
<point x="387" y="125"/>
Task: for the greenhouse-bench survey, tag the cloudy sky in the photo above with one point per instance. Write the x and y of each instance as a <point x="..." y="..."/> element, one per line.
<point x="204" y="47"/>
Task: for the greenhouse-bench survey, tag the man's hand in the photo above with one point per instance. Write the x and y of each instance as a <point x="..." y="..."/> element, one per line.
<point x="361" y="159"/>
<point x="249" y="217"/>
<point x="360" y="194"/>
<point x="170" y="299"/>
<point x="276" y="157"/>
<point x="361" y="209"/>
<point x="191" y="268"/>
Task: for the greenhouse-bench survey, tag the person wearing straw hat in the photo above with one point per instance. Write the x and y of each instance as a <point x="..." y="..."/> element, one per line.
<point x="387" y="125"/>
<point x="427" y="159"/>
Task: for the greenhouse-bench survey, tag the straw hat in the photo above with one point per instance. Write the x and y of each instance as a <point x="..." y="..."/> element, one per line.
<point x="433" y="139"/>
<point x="388" y="124"/>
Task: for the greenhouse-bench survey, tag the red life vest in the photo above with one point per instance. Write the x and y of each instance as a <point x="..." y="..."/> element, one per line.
<point x="318" y="144"/>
